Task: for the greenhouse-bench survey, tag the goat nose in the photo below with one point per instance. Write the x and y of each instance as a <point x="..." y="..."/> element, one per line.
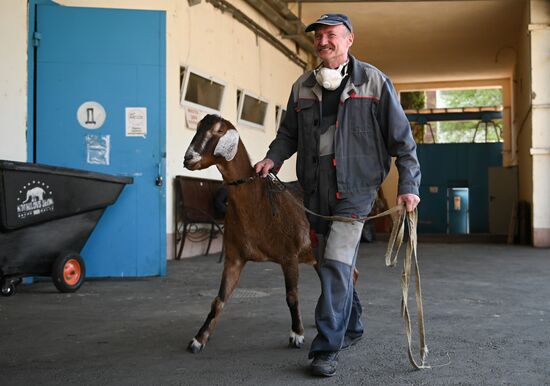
<point x="188" y="157"/>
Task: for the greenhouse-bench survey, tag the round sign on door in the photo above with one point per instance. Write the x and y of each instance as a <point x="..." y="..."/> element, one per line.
<point x="91" y="115"/>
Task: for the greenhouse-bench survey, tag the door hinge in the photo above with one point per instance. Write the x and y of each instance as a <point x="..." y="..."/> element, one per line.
<point x="36" y="37"/>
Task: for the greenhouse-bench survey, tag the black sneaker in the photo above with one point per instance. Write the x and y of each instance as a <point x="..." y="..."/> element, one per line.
<point x="324" y="363"/>
<point x="350" y="342"/>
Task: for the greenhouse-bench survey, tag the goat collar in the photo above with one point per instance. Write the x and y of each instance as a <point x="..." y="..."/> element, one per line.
<point x="241" y="181"/>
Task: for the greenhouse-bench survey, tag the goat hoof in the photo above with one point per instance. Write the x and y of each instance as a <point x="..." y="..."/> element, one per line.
<point x="195" y="347"/>
<point x="295" y="340"/>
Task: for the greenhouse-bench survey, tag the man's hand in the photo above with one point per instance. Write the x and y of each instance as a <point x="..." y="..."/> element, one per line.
<point x="264" y="166"/>
<point x="410" y="200"/>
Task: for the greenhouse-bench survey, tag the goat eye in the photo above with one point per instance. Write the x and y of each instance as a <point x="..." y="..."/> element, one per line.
<point x="217" y="129"/>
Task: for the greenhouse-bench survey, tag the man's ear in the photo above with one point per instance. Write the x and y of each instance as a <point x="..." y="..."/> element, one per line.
<point x="227" y="145"/>
<point x="350" y="38"/>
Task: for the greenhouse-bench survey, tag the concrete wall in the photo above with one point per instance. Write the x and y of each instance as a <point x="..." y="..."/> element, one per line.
<point x="540" y="150"/>
<point x="13" y="80"/>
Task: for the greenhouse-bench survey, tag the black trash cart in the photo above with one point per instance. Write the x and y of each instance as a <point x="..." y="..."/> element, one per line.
<point x="47" y="214"/>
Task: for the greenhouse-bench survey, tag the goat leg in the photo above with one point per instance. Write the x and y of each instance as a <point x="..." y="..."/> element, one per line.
<point x="230" y="277"/>
<point x="291" y="273"/>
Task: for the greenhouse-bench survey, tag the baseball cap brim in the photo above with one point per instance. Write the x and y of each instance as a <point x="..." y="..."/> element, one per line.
<point x="312" y="26"/>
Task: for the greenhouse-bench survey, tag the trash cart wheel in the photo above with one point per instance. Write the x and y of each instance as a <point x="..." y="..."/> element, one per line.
<point x="68" y="272"/>
<point x="8" y="288"/>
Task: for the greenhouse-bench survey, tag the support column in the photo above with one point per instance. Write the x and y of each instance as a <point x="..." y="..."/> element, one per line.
<point x="539" y="28"/>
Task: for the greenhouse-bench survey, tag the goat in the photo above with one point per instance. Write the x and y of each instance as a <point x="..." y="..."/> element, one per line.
<point x="257" y="228"/>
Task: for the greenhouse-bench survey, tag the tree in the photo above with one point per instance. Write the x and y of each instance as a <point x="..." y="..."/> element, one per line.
<point x="414" y="100"/>
<point x="471" y="98"/>
<point x="463" y="131"/>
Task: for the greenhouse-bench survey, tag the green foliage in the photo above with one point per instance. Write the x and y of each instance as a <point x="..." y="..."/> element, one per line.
<point x="470" y="98"/>
<point x="463" y="131"/>
<point x="413" y="100"/>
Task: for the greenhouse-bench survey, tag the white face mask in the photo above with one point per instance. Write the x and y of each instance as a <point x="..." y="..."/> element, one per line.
<point x="330" y="78"/>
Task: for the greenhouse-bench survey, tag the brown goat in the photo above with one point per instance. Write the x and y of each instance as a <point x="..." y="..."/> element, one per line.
<point x="257" y="227"/>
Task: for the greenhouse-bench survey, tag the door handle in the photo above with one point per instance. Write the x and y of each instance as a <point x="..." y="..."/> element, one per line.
<point x="158" y="180"/>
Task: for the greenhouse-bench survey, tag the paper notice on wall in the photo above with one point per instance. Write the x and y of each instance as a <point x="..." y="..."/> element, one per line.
<point x="136" y="122"/>
<point x="193" y="117"/>
<point x="457" y="202"/>
<point x="98" y="149"/>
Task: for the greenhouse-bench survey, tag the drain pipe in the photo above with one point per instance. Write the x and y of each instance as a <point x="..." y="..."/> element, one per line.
<point x="225" y="6"/>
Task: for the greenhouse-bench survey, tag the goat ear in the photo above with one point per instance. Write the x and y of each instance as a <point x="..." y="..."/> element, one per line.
<point x="227" y="145"/>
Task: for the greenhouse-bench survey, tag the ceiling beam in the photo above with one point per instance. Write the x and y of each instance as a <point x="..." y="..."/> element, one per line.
<point x="293" y="29"/>
<point x="225" y="6"/>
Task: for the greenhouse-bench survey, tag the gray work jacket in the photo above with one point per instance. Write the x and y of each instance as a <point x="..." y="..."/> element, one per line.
<point x="371" y="128"/>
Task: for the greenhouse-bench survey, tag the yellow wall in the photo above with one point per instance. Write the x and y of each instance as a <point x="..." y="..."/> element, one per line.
<point x="13" y="80"/>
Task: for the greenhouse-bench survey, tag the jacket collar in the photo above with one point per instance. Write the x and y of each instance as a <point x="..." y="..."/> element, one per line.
<point x="358" y="75"/>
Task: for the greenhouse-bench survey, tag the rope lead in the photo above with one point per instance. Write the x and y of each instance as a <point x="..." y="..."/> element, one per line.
<point x="399" y="217"/>
<point x="396" y="240"/>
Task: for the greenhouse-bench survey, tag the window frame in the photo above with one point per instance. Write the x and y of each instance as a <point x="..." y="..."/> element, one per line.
<point x="279" y="115"/>
<point x="241" y="95"/>
<point x="185" y="83"/>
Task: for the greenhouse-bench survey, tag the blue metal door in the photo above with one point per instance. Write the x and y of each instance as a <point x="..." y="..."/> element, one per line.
<point x="100" y="106"/>
<point x="457" y="205"/>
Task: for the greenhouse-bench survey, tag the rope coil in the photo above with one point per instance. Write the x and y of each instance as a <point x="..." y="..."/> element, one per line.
<point x="394" y="245"/>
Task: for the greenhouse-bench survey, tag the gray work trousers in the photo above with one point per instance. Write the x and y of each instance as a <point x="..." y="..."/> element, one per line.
<point x="338" y="311"/>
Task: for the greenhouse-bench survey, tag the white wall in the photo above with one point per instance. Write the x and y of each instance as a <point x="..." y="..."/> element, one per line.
<point x="13" y="80"/>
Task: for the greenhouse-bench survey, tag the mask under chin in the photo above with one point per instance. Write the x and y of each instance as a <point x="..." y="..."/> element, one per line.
<point x="329" y="78"/>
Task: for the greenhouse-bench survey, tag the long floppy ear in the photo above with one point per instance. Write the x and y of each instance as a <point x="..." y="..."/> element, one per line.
<point x="228" y="145"/>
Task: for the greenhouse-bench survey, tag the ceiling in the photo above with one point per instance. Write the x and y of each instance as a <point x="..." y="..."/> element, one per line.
<point x="425" y="41"/>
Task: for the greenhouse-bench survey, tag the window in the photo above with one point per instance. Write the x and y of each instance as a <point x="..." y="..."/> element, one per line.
<point x="279" y="116"/>
<point x="455" y="115"/>
<point x="200" y="90"/>
<point x="251" y="110"/>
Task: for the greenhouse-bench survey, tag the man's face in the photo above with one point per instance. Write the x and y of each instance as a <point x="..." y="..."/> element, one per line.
<point x="332" y="43"/>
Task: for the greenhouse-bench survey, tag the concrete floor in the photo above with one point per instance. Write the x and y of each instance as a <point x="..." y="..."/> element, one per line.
<point x="487" y="312"/>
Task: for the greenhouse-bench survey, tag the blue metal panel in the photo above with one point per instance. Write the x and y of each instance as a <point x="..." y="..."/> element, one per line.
<point x="437" y="163"/>
<point x="479" y="209"/>
<point x="116" y="58"/>
<point x="432" y="211"/>
<point x="484" y="116"/>
<point x="453" y="165"/>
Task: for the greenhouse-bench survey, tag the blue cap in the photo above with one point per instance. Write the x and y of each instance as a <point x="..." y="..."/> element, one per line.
<point x="331" y="19"/>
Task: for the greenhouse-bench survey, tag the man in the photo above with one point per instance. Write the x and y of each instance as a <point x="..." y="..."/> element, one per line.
<point x="345" y="122"/>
